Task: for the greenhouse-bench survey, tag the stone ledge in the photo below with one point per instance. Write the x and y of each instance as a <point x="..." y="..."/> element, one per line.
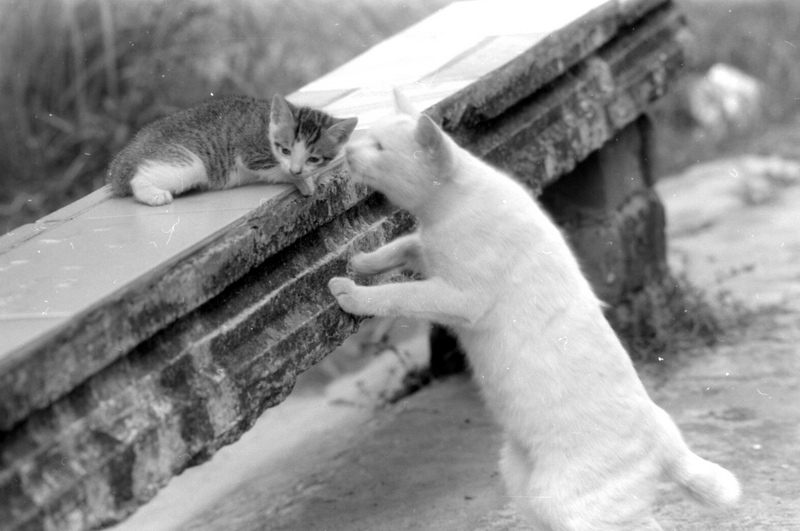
<point x="204" y="343"/>
<point x="195" y="386"/>
<point x="545" y="135"/>
<point x="605" y="95"/>
<point x="43" y="370"/>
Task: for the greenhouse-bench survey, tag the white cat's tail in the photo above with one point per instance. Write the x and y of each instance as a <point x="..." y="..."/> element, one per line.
<point x="703" y="481"/>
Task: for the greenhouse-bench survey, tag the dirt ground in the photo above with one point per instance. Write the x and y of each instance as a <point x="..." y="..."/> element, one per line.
<point x="429" y="461"/>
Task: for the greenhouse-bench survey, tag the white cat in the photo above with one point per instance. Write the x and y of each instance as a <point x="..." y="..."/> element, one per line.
<point x="585" y="447"/>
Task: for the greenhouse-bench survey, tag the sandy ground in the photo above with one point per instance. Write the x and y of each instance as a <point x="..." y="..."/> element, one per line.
<point x="429" y="461"/>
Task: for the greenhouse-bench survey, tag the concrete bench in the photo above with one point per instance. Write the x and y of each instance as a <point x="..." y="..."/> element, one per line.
<point x="135" y="341"/>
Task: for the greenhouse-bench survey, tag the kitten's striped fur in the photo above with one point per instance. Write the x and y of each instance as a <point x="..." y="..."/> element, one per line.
<point x="225" y="142"/>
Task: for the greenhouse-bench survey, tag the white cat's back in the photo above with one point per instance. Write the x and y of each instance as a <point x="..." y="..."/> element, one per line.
<point x="496" y="238"/>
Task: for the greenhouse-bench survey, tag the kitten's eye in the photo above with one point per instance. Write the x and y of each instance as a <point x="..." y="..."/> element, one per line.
<point x="286" y="151"/>
<point x="314" y="160"/>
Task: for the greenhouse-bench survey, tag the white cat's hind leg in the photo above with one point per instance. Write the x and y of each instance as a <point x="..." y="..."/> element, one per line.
<point x="156" y="182"/>
<point x="517" y="466"/>
<point x="547" y="497"/>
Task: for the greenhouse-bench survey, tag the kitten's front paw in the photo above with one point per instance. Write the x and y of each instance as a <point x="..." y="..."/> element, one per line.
<point x="162" y="197"/>
<point x="305" y="186"/>
<point x="343" y="289"/>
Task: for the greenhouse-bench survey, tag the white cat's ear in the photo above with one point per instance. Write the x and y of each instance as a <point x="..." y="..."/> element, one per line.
<point x="402" y="104"/>
<point x="432" y="139"/>
<point x="340" y="131"/>
<point x="282" y="111"/>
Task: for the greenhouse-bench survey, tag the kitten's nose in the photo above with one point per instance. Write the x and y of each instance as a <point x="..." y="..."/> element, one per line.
<point x="295" y="171"/>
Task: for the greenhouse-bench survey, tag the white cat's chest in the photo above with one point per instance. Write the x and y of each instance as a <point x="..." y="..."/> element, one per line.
<point x="470" y="252"/>
<point x="445" y="255"/>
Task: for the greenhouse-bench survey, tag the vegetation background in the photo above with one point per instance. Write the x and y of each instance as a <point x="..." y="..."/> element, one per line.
<point x="79" y="77"/>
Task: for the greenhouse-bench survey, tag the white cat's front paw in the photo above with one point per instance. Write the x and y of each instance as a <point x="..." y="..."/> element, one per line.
<point x="361" y="264"/>
<point x="344" y="289"/>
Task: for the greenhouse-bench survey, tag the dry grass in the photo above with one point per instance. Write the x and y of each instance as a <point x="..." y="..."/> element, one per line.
<point x="79" y="77"/>
<point x="674" y="315"/>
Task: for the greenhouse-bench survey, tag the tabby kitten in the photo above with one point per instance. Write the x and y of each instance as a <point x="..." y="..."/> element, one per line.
<point x="225" y="142"/>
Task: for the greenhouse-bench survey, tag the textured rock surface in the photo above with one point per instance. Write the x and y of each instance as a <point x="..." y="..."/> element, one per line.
<point x="192" y="387"/>
<point x="99" y="416"/>
<point x="43" y="371"/>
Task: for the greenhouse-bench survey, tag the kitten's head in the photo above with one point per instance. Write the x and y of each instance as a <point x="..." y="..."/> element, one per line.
<point x="406" y="157"/>
<point x="305" y="140"/>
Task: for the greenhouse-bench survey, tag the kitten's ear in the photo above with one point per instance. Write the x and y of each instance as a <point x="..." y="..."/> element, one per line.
<point x="340" y="132"/>
<point x="432" y="139"/>
<point x="402" y="104"/>
<point x="282" y="112"/>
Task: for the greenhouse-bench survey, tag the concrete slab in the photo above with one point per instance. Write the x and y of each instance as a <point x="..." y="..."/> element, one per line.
<point x="72" y="266"/>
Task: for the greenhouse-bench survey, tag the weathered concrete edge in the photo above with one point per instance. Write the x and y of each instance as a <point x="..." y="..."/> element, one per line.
<point x="19" y="235"/>
<point x="632" y="10"/>
<point x="185" y="392"/>
<point x="543" y="63"/>
<point x="547" y="134"/>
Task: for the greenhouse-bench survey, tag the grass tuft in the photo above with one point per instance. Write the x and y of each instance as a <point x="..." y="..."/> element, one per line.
<point x="674" y="315"/>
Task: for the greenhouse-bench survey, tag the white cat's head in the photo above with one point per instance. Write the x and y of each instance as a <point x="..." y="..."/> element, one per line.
<point x="406" y="157"/>
<point x="304" y="139"/>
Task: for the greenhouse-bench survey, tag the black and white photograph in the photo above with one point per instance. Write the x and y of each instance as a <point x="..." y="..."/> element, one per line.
<point x="399" y="265"/>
